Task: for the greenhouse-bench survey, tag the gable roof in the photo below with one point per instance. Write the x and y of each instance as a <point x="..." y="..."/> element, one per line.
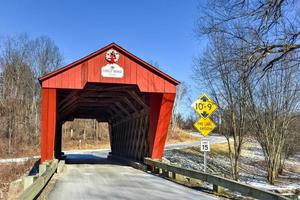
<point x="120" y="49"/>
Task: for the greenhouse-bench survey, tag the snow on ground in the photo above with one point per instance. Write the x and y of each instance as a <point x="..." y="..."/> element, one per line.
<point x="252" y="170"/>
<point x="17" y="160"/>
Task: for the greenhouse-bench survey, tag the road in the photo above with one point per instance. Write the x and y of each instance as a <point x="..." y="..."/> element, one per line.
<point x="214" y="139"/>
<point x="103" y="179"/>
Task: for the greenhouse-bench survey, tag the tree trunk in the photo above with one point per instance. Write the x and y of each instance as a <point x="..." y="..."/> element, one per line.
<point x="236" y="168"/>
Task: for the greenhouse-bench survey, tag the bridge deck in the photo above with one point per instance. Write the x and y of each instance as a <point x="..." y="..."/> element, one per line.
<point x="107" y="180"/>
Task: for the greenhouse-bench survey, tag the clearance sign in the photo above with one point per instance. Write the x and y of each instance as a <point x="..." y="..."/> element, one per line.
<point x="205" y="107"/>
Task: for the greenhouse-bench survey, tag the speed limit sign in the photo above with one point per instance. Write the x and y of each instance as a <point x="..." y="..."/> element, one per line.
<point x="205" y="146"/>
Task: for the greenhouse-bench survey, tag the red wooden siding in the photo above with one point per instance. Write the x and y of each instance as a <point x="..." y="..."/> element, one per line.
<point x="161" y="106"/>
<point x="90" y="71"/>
<point x="48" y="123"/>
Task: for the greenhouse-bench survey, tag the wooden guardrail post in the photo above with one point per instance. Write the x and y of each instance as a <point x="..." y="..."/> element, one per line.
<point x="42" y="168"/>
<point x="172" y="175"/>
<point x="47" y="170"/>
<point x="156" y="170"/>
<point x="217" y="181"/>
<point x="165" y="173"/>
<point x="218" y="189"/>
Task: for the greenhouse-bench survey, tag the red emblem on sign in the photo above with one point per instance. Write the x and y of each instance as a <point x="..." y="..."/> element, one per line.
<point x="112" y="56"/>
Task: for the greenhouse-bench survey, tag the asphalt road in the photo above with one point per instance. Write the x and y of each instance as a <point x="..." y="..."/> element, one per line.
<point x="213" y="139"/>
<point x="89" y="175"/>
<point x="102" y="179"/>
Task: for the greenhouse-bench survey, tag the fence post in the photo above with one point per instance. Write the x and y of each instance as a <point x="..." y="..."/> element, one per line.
<point x="218" y="189"/>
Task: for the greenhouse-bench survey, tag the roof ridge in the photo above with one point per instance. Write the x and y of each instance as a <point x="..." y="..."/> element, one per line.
<point x="99" y="51"/>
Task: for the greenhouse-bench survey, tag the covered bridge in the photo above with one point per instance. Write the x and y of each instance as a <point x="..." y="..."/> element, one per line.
<point x="110" y="85"/>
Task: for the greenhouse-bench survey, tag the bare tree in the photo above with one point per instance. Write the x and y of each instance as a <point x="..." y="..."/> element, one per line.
<point x="181" y="93"/>
<point x="227" y="80"/>
<point x="252" y="45"/>
<point x="274" y="103"/>
<point x="273" y="24"/>
<point x="22" y="60"/>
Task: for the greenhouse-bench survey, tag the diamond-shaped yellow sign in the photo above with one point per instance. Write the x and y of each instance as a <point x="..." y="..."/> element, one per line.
<point x="204" y="106"/>
<point x="205" y="126"/>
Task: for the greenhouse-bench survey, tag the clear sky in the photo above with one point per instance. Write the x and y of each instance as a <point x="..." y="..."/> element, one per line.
<point x="158" y="30"/>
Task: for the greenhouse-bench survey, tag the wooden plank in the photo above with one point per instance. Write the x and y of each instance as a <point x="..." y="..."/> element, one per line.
<point x="161" y="106"/>
<point x="69" y="103"/>
<point x="145" y="138"/>
<point x="112" y="88"/>
<point x="120" y="114"/>
<point x="144" y="141"/>
<point x="44" y="123"/>
<point x="101" y="94"/>
<point x="69" y="97"/>
<point x="137" y="98"/>
<point x="66" y="110"/>
<point x="140" y="128"/>
<point x="235" y="186"/>
<point x="51" y="123"/>
<point x="135" y="134"/>
<point x="35" y="189"/>
<point x="129" y="103"/>
<point x="119" y="105"/>
<point x="130" y="128"/>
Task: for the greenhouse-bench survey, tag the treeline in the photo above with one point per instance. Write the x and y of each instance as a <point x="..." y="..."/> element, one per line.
<point x="251" y="68"/>
<point x="22" y="61"/>
<point x="85" y="129"/>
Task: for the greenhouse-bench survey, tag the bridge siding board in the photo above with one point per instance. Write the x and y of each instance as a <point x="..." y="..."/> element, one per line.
<point x="161" y="106"/>
<point x="44" y="122"/>
<point x="48" y="123"/>
<point x="75" y="77"/>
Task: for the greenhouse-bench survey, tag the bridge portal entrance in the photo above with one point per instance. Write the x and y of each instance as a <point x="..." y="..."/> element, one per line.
<point x="114" y="86"/>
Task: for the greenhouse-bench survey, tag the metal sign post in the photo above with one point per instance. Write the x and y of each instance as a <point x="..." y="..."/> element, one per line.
<point x="205" y="161"/>
<point x="205" y="107"/>
<point x="205" y="147"/>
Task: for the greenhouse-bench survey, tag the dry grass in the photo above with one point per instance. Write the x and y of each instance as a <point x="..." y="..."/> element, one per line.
<point x="88" y="144"/>
<point x="180" y="136"/>
<point x="20" y="150"/>
<point x="11" y="172"/>
<point x="215" y="149"/>
<point x="221" y="149"/>
<point x="71" y="144"/>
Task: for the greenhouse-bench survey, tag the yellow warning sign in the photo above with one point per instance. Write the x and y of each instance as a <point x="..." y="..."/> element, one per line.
<point x="205" y="126"/>
<point x="205" y="106"/>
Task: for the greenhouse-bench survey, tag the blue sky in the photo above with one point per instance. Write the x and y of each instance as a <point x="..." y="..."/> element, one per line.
<point x="158" y="30"/>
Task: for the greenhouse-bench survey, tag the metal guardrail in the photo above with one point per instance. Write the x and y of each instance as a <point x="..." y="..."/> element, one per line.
<point x="34" y="189"/>
<point x="217" y="181"/>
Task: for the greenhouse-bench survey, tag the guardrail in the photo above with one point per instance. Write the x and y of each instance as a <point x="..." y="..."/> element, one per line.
<point x="216" y="181"/>
<point x="37" y="186"/>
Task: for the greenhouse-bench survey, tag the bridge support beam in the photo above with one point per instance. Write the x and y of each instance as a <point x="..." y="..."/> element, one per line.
<point x="58" y="140"/>
<point x="161" y="106"/>
<point x="48" y="123"/>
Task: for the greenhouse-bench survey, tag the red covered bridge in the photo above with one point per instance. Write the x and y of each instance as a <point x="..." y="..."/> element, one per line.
<point x="114" y="86"/>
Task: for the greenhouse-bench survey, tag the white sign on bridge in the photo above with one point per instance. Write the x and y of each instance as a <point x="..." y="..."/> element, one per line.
<point x="112" y="70"/>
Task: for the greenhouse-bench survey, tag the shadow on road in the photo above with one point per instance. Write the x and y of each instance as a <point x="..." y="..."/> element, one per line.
<point x="87" y="159"/>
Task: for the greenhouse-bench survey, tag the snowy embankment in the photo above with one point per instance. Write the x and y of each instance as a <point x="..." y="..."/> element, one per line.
<point x="252" y="169"/>
<point x="18" y="160"/>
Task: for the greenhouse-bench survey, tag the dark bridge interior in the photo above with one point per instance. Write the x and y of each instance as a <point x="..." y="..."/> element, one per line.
<point x="124" y="107"/>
